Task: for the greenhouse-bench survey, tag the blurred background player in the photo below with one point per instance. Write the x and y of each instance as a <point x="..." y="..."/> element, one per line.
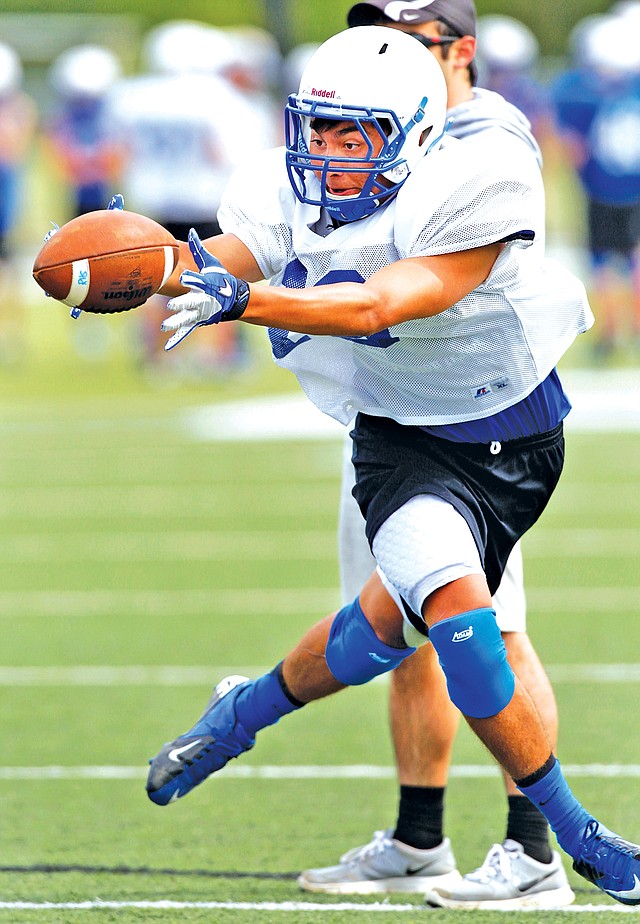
<point x="180" y="154"/>
<point x="254" y="71"/>
<point x="507" y="58"/>
<point x="86" y="153"/>
<point x="597" y="109"/>
<point x="80" y="136"/>
<point x="17" y="126"/>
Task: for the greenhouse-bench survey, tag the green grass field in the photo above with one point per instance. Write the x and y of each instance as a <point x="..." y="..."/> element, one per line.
<point x="141" y="561"/>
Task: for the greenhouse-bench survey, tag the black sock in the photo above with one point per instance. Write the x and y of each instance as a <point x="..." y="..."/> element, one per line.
<point x="420" y="813"/>
<point x="527" y="825"/>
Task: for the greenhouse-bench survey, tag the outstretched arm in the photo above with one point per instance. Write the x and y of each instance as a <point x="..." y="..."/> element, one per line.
<point x="417" y="287"/>
<point x="231" y="252"/>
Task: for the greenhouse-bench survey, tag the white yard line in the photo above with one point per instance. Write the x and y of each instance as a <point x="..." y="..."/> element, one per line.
<point x="175" y="675"/>
<point x="602" y="402"/>
<point x="264" y="545"/>
<point x="259" y="602"/>
<point x="98" y="904"/>
<point x="300" y="772"/>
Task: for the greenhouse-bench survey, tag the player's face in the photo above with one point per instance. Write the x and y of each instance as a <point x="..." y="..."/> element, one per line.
<point x="345" y="140"/>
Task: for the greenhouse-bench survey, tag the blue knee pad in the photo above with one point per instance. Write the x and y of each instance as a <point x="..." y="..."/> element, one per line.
<point x="354" y="652"/>
<point x="474" y="660"/>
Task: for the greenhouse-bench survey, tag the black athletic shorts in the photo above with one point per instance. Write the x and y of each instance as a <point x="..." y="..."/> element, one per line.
<point x="613" y="228"/>
<point x="500" y="495"/>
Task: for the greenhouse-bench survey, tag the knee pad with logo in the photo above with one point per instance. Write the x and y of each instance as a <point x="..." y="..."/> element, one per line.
<point x="474" y="660"/>
<point x="354" y="652"/>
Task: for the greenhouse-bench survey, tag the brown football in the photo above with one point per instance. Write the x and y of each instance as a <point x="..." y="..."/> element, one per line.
<point x="106" y="261"/>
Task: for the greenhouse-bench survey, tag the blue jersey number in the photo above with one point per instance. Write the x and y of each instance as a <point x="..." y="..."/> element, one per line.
<point x="295" y="277"/>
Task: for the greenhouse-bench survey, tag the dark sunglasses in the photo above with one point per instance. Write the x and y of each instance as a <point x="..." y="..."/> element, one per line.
<point x="430" y="42"/>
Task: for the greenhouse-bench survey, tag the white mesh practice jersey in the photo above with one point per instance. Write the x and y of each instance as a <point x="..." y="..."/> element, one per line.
<point x="474" y="359"/>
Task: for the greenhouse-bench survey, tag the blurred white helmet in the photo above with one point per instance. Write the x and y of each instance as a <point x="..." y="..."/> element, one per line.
<point x="629" y="9"/>
<point x="85" y="71"/>
<point x="607" y="44"/>
<point x="257" y="54"/>
<point x="10" y="70"/>
<point x="506" y="43"/>
<point x="381" y="80"/>
<point x="184" y="46"/>
<point x="294" y="65"/>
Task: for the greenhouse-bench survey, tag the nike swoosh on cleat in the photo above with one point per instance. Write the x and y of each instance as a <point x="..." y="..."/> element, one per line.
<point x="174" y="797"/>
<point x="176" y="752"/>
<point x="629" y="893"/>
<point x="417" y="871"/>
<point x="527" y="885"/>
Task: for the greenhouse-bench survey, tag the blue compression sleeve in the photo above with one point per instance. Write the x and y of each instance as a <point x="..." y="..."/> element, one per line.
<point x="567" y="818"/>
<point x="263" y="702"/>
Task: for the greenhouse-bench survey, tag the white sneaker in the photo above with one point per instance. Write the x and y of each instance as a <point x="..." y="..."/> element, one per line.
<point x="508" y="879"/>
<point x="384" y="865"/>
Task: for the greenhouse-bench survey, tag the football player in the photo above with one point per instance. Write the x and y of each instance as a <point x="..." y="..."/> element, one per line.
<point x="423" y="735"/>
<point x="436" y="337"/>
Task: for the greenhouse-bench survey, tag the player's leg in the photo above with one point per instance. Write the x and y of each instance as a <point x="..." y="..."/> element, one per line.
<point x="237" y="710"/>
<point x="422" y="727"/>
<point x="355" y="559"/>
<point x="607" y="238"/>
<point x="634" y="277"/>
<point x="340" y="650"/>
<point x="482" y="685"/>
<point x="525" y="854"/>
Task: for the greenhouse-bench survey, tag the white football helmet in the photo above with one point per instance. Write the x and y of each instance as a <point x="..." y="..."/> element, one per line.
<point x="505" y="42"/>
<point x="10" y="70"/>
<point x="367" y="75"/>
<point x="608" y="45"/>
<point x="85" y="71"/>
<point x="185" y="46"/>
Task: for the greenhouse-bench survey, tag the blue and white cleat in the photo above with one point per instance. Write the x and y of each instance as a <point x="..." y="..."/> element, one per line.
<point x="610" y="863"/>
<point x="214" y="740"/>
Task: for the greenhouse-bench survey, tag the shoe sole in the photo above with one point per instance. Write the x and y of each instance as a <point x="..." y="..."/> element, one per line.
<point x="555" y="898"/>
<point x="419" y="884"/>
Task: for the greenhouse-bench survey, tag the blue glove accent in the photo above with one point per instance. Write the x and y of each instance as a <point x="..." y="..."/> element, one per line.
<point x="354" y="653"/>
<point x="117" y="202"/>
<point x="213" y="279"/>
<point x="215" y="295"/>
<point x="474" y="660"/>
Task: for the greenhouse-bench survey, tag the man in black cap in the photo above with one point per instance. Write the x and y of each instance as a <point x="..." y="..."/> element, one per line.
<point x="423" y="735"/>
<point x="458" y="15"/>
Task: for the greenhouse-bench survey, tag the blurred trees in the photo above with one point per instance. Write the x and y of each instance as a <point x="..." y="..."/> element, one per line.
<point x="306" y="20"/>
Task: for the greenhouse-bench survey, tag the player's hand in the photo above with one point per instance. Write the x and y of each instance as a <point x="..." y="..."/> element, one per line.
<point x="216" y="295"/>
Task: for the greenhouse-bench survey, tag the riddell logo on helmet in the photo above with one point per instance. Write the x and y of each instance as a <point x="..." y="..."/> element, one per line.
<point x="324" y="94"/>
